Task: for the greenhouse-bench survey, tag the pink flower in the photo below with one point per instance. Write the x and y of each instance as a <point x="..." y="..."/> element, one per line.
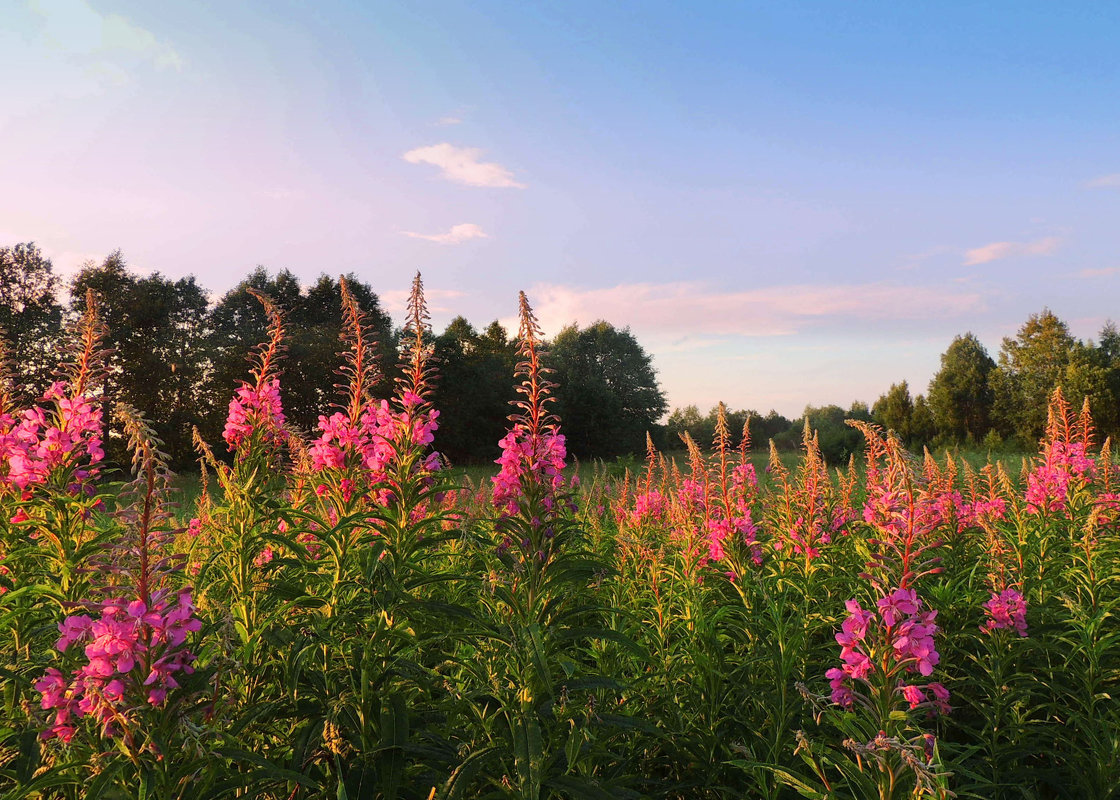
<point x="940" y="698"/>
<point x="254" y="409"/>
<point x="900" y="603"/>
<point x="899" y="637"/>
<point x="913" y="694"/>
<point x="525" y="460"/>
<point x="126" y="635"/>
<point x="1006" y="609"/>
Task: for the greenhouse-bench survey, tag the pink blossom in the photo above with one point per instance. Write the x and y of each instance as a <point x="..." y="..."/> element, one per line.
<point x="1006" y="609"/>
<point x="124" y="636"/>
<point x="524" y="460"/>
<point x="255" y="409"/>
<point x="900" y="636"/>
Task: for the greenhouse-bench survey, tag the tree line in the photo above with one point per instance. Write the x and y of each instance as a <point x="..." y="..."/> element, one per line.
<point x="176" y="356"/>
<point x="980" y="401"/>
<point x="974" y="400"/>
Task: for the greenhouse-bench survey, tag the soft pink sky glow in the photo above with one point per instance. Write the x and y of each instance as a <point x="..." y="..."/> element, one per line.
<point x="783" y="214"/>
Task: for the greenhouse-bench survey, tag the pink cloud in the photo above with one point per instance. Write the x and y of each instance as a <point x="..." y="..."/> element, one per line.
<point x="998" y="250"/>
<point x="694" y="309"/>
<point x="462" y="165"/>
<point x="1099" y="273"/>
<point x="458" y="234"/>
<point x="1104" y="182"/>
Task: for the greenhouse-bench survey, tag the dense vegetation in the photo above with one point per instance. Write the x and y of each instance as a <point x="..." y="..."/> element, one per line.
<point x="177" y="354"/>
<point x="334" y="619"/>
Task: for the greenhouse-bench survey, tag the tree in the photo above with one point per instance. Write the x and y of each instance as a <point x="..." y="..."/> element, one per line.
<point x="1108" y="356"/>
<point x="960" y="394"/>
<point x="838" y="440"/>
<point x="608" y="396"/>
<point x="1030" y="365"/>
<point x="313" y="322"/>
<point x="702" y="428"/>
<point x="30" y="317"/>
<point x="923" y="428"/>
<point x="157" y="364"/>
<point x="686" y="420"/>
<point x="894" y="409"/>
<point x="474" y="391"/>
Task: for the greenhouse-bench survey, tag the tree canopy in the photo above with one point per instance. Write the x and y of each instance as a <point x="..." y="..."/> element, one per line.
<point x="608" y="395"/>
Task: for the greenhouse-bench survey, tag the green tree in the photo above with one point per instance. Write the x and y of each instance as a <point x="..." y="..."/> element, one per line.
<point x="313" y="322"/>
<point x="1108" y="357"/>
<point x="156" y="332"/>
<point x="607" y="395"/>
<point x="31" y="317"/>
<point x="894" y="409"/>
<point x="838" y="440"/>
<point x="473" y="392"/>
<point x="960" y="394"/>
<point x="1031" y="364"/>
<point x="686" y="419"/>
<point x="702" y="428"/>
<point x="923" y="426"/>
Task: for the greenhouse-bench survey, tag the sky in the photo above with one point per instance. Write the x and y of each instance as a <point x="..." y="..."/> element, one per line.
<point x="787" y="203"/>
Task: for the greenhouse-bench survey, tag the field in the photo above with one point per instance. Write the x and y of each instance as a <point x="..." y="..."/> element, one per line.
<point x="341" y="617"/>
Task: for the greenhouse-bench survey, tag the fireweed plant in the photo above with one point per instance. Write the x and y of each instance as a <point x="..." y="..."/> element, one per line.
<point x="528" y="678"/>
<point x="344" y="622"/>
<point x="884" y="685"/>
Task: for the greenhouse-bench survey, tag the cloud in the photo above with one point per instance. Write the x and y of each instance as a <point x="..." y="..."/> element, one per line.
<point x="77" y="29"/>
<point x="442" y="121"/>
<point x="1099" y="273"/>
<point x="997" y="250"/>
<point x="462" y="232"/>
<point x="689" y="309"/>
<point x="1104" y="182"/>
<point x="461" y="164"/>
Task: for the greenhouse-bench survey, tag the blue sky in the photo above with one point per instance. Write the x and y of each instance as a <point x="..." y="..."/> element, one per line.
<point x="788" y="203"/>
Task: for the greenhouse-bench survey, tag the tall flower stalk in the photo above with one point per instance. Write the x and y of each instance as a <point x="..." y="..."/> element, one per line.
<point x="133" y="642"/>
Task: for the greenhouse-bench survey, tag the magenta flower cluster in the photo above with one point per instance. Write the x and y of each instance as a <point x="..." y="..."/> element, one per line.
<point x="891" y="512"/>
<point x="884" y="645"/>
<point x="649" y="506"/>
<point x="722" y="529"/>
<point x="744" y="479"/>
<point x="133" y="651"/>
<point x="254" y="408"/>
<point x="1049" y="483"/>
<point x="1006" y="609"/>
<point x="985" y="509"/>
<point x="527" y="459"/>
<point x="35" y="443"/>
<point x="705" y="516"/>
<point x="376" y="438"/>
<point x="805" y="534"/>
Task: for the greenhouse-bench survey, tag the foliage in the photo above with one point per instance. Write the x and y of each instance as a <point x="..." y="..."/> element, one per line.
<point x="157" y="364"/>
<point x="960" y="394"/>
<point x="30" y="314"/>
<point x="607" y="389"/>
<point x="894" y="410"/>
<point x="334" y="618"/>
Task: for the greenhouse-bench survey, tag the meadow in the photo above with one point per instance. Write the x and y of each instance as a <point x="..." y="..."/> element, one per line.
<point x="338" y="615"/>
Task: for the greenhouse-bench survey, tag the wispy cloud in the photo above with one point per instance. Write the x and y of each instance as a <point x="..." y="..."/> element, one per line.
<point x="462" y="232"/>
<point x="1104" y="182"/>
<point x="997" y="250"/>
<point x="444" y="121"/>
<point x="77" y="29"/>
<point x="462" y="165"/>
<point x="1099" y="273"/>
<point x="694" y="309"/>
